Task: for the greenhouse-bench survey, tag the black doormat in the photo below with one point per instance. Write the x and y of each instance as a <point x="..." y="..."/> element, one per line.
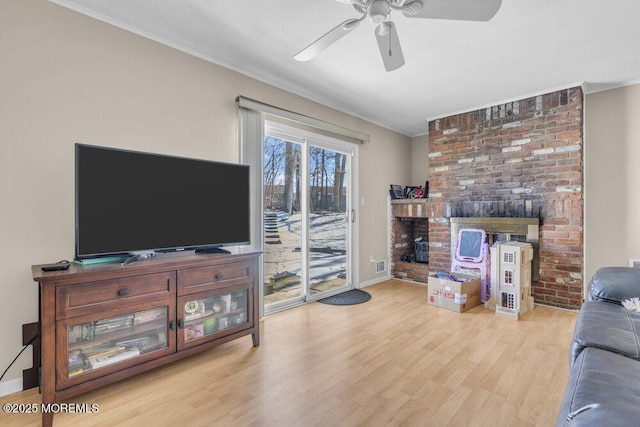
<point x="354" y="296"/>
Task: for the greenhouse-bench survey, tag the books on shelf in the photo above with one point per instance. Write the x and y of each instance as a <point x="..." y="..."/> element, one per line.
<point x="76" y="372"/>
<point x="113" y="324"/>
<point x="101" y="350"/>
<point x="143" y="344"/>
<point x="99" y="362"/>
<point x="88" y="331"/>
<point x="149" y="315"/>
<point x="76" y="362"/>
<point x="98" y="356"/>
<point x="135" y="342"/>
<point x="113" y="351"/>
<point x="82" y="332"/>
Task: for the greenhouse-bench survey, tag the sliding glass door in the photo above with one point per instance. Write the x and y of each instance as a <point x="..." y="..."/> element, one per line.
<point x="307" y="190"/>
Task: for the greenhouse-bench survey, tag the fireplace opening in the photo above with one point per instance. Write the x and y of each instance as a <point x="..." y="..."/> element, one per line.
<point x="410" y="248"/>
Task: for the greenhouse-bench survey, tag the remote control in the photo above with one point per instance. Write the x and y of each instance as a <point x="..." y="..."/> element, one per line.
<point x="56" y="267"/>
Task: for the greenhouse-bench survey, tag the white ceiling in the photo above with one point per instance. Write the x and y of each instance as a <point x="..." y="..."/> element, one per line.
<point x="529" y="47"/>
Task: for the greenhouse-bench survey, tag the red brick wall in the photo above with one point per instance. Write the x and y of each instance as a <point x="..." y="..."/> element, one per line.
<point x="524" y="153"/>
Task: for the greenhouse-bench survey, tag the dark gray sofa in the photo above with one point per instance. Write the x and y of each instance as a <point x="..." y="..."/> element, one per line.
<point x="604" y="378"/>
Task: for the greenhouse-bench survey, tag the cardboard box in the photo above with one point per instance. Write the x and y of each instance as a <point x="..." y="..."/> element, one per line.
<point x="454" y="296"/>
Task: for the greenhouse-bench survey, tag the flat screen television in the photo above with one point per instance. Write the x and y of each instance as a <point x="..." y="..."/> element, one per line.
<point x="137" y="203"/>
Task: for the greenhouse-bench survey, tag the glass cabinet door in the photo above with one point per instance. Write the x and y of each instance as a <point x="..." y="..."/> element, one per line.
<point x="96" y="345"/>
<point x="206" y="314"/>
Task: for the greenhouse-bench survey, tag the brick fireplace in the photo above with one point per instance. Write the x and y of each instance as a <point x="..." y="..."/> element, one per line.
<point x="519" y="159"/>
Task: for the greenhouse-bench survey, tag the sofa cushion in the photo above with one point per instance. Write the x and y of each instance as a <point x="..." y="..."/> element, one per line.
<point x="603" y="390"/>
<point x="607" y="326"/>
<point x="615" y="284"/>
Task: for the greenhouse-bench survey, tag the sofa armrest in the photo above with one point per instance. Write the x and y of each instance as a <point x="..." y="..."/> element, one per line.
<point x="615" y="284"/>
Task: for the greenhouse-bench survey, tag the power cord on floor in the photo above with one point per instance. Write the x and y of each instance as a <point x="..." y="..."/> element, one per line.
<point x="16" y="358"/>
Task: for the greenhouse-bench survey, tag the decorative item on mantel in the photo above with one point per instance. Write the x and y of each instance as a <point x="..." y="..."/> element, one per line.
<point x="396" y="192"/>
<point x="409" y="192"/>
<point x="413" y="193"/>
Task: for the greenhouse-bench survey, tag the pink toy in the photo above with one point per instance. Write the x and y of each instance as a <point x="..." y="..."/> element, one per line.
<point x="472" y="252"/>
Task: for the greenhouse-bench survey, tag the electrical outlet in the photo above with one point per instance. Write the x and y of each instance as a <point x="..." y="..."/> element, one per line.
<point x="371" y="259"/>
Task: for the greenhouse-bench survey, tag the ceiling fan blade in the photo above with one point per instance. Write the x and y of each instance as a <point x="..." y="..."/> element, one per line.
<point x="389" y="44"/>
<point x="328" y="39"/>
<point x="463" y="10"/>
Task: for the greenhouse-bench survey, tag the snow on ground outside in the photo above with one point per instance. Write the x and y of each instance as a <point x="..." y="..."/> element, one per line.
<point x="327" y="230"/>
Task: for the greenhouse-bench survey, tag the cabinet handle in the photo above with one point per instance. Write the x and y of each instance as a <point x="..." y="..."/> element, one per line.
<point x="172" y="325"/>
<point x="123" y="292"/>
<point x="181" y="324"/>
<point x="219" y="276"/>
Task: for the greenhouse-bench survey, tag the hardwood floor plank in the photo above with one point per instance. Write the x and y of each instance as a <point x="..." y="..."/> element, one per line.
<point x="393" y="361"/>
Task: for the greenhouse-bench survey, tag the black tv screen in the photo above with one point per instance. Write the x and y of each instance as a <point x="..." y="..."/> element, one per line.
<point x="130" y="202"/>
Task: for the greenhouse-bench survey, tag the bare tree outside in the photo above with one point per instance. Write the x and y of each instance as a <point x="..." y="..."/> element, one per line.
<point x="289" y="176"/>
<point x="274" y="151"/>
<point x="338" y="182"/>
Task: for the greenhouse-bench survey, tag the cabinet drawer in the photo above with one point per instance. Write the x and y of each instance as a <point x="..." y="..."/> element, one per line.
<point x="201" y="279"/>
<point x="88" y="298"/>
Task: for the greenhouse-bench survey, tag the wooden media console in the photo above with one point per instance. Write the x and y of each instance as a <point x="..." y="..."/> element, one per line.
<point x="105" y="322"/>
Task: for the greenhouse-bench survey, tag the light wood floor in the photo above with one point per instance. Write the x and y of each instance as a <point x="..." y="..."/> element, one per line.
<point x="391" y="361"/>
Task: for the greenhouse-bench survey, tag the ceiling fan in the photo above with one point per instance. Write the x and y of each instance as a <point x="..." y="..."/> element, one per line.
<point x="379" y="12"/>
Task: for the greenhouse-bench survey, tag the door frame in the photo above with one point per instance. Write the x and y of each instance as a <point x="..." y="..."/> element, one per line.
<point x="306" y="138"/>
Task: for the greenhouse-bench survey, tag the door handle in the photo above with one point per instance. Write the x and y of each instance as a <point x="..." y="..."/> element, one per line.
<point x="123" y="292"/>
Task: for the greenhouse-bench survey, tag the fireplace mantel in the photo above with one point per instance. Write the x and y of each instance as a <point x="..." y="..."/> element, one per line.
<point x="409" y="208"/>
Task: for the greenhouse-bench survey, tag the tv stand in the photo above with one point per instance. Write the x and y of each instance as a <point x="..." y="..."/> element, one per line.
<point x="141" y="317"/>
<point x="212" y="250"/>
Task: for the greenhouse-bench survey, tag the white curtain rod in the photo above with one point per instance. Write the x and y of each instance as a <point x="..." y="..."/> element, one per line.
<point x="270" y="109"/>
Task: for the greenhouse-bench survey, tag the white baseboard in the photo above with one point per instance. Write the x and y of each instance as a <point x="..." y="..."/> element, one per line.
<point x="8" y="387"/>
<point x="374" y="281"/>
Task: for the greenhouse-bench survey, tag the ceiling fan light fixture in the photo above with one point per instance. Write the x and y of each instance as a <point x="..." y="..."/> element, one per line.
<point x="384" y="28"/>
<point x="378" y="11"/>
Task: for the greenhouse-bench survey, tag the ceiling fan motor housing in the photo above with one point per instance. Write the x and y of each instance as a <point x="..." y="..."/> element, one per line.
<point x="378" y="11"/>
